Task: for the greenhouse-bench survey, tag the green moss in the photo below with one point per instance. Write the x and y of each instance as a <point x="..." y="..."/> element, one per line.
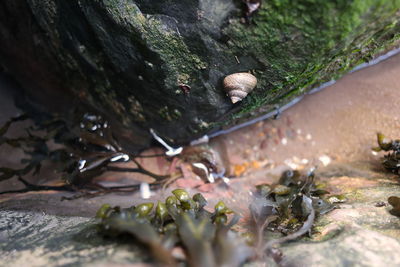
<point x="163" y="38"/>
<point x="301" y="44"/>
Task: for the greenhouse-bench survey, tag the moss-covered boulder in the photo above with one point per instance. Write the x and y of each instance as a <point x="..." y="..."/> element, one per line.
<point x="160" y="64"/>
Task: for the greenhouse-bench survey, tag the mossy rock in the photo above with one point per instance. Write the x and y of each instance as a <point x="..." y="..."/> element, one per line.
<point x="160" y="64"/>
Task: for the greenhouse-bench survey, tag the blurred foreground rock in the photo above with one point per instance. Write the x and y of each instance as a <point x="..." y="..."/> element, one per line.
<point x="37" y="239"/>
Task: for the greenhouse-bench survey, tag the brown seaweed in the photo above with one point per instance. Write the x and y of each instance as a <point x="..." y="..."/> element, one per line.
<point x="180" y="221"/>
<point x="391" y="160"/>
<point x="87" y="150"/>
<point x="290" y="206"/>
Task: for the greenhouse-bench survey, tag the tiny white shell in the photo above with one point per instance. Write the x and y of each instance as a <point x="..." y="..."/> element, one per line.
<point x="238" y="85"/>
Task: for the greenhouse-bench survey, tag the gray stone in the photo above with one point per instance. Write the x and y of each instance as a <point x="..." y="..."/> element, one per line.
<point x="38" y="239"/>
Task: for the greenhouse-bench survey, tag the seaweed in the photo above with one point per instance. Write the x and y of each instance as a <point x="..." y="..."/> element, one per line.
<point x="287" y="196"/>
<point x="85" y="149"/>
<point x="290" y="207"/>
<point x="208" y="238"/>
<point x="182" y="222"/>
<point x="390" y="161"/>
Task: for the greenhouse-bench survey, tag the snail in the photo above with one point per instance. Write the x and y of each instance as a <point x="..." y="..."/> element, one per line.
<point x="238" y="85"/>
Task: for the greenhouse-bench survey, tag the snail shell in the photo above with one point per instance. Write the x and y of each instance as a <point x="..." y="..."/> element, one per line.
<point x="238" y="85"/>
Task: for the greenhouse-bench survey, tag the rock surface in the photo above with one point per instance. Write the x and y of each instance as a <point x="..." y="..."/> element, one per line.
<point x="160" y="64"/>
<point x="37" y="239"/>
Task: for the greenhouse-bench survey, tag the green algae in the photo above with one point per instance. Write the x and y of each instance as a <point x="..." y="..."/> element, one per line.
<point x="301" y="44"/>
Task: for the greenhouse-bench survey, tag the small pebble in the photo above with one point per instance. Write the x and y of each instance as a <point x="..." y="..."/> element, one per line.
<point x="325" y="160"/>
<point x="380" y="204"/>
<point x="145" y="192"/>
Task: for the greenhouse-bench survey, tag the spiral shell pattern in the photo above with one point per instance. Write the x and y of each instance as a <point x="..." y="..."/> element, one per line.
<point x="238" y="85"/>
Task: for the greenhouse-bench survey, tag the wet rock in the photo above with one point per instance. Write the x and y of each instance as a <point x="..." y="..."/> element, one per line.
<point x="355" y="247"/>
<point x="38" y="239"/>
